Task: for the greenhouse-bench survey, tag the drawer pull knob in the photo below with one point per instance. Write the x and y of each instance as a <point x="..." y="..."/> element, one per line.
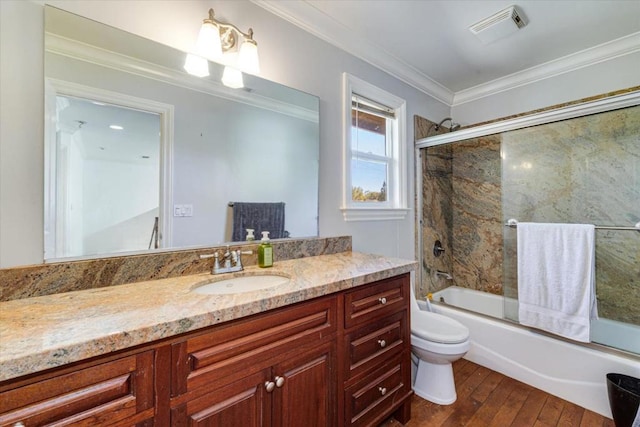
<point x="383" y="390"/>
<point x="382" y="343"/>
<point x="269" y="385"/>
<point x="279" y="381"/>
<point x="382" y="300"/>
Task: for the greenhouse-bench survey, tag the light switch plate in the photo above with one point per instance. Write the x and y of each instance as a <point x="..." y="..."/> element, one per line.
<point x="182" y="210"/>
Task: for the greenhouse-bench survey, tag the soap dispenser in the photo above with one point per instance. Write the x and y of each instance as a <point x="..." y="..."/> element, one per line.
<point x="265" y="251"/>
<point x="250" y="236"/>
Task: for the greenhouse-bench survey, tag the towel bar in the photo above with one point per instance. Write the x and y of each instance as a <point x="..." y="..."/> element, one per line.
<point x="513" y="223"/>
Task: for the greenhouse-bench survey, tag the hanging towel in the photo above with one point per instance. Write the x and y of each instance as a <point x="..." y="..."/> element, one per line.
<point x="259" y="216"/>
<point x="556" y="278"/>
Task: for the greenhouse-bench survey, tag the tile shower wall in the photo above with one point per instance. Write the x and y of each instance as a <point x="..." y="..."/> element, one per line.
<point x="437" y="211"/>
<point x="476" y="224"/>
<point x="437" y="219"/>
<point x="584" y="170"/>
<point x="580" y="170"/>
<point x="461" y="208"/>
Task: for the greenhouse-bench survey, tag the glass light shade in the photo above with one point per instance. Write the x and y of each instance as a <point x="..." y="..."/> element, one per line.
<point x="248" y="57"/>
<point x="196" y="65"/>
<point x="232" y="77"/>
<point x="208" y="44"/>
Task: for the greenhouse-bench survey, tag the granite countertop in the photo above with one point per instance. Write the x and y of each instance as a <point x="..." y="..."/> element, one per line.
<point x="45" y="332"/>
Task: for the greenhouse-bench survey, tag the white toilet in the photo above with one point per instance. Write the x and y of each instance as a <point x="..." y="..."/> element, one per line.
<point x="436" y="342"/>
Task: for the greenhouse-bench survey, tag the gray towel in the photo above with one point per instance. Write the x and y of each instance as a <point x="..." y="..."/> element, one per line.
<point x="259" y="216"/>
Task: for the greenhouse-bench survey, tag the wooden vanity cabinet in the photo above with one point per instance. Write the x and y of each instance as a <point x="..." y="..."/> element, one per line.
<point x="119" y="392"/>
<point x="339" y="360"/>
<point x="274" y="369"/>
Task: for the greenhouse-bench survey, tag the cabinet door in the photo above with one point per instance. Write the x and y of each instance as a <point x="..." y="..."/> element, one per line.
<point x="119" y="391"/>
<point x="249" y="345"/>
<point x="243" y="403"/>
<point x="306" y="392"/>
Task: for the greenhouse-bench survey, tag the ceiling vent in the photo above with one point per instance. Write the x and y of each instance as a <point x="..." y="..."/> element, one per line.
<point x="499" y="25"/>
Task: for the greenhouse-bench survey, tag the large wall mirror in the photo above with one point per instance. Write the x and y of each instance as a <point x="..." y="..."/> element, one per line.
<point x="140" y="155"/>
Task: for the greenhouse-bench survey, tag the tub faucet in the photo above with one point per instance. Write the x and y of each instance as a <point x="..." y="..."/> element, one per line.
<point x="444" y="274"/>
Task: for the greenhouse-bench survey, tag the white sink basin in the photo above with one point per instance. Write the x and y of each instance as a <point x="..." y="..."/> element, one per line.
<point x="236" y="285"/>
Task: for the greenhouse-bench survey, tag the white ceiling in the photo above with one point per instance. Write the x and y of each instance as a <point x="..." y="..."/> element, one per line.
<point x="138" y="141"/>
<point x="427" y="43"/>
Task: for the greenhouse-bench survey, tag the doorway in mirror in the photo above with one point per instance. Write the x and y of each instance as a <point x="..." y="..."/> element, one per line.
<point x="103" y="158"/>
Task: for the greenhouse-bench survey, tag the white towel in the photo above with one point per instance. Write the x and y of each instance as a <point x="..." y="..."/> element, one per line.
<point x="556" y="278"/>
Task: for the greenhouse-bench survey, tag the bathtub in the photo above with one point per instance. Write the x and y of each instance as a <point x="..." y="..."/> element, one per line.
<point x="573" y="372"/>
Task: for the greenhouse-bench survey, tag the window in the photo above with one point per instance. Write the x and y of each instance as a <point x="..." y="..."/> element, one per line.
<point x="375" y="171"/>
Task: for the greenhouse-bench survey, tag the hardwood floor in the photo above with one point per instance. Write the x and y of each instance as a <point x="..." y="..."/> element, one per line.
<point x="487" y="398"/>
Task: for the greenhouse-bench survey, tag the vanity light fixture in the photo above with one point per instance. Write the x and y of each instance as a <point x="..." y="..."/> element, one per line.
<point x="220" y="42"/>
<point x="116" y="127"/>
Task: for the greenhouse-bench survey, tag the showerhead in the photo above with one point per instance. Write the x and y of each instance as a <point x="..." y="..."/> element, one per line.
<point x="453" y="127"/>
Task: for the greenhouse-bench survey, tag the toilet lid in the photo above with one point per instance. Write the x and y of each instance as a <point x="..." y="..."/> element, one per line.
<point x="438" y="328"/>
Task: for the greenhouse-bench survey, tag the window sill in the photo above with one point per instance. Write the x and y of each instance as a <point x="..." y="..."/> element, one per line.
<point x="374" y="214"/>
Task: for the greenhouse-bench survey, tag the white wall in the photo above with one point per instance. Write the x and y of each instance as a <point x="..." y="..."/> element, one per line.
<point x="71" y="176"/>
<point x="609" y="76"/>
<point x="21" y="133"/>
<point x="114" y="194"/>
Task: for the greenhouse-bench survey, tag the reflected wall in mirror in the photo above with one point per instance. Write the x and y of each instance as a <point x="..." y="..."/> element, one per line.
<point x="115" y="190"/>
<point x="104" y="178"/>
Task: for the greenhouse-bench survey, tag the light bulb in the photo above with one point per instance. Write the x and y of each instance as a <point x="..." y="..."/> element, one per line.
<point x="208" y="44"/>
<point x="196" y="65"/>
<point x="248" y="57"/>
<point x="232" y="77"/>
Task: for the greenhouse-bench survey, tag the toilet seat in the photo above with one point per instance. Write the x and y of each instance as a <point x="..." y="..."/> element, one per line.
<point x="438" y="328"/>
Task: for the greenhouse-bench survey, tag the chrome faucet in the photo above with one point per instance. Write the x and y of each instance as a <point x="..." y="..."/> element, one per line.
<point x="227" y="258"/>
<point x="232" y="261"/>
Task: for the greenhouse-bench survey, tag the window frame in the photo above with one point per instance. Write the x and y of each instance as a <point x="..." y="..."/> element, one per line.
<point x="395" y="208"/>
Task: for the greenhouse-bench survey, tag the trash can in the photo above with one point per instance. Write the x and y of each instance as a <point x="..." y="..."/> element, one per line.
<point x="624" y="398"/>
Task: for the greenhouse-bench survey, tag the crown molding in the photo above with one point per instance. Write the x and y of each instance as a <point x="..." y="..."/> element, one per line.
<point x="312" y="20"/>
<point x="584" y="58"/>
<point x="105" y="58"/>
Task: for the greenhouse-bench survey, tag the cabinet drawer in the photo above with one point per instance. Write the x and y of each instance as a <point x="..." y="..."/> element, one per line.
<point x="97" y="395"/>
<point x="374" y="397"/>
<point x="371" y="344"/>
<point x="381" y="299"/>
<point x="228" y="349"/>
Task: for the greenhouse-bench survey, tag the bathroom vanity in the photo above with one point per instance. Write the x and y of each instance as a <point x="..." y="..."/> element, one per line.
<point x="331" y="347"/>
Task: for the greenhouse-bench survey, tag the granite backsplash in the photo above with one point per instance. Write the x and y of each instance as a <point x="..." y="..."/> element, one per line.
<point x="52" y="278"/>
